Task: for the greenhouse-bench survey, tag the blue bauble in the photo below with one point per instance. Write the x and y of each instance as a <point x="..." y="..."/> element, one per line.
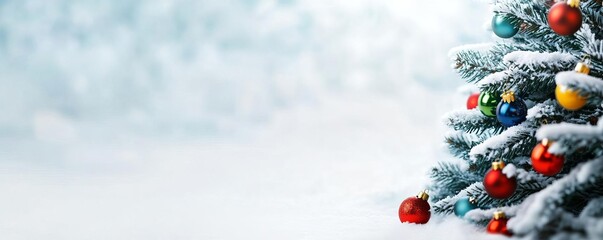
<point x="503" y="27"/>
<point x="511" y="113"/>
<point x="462" y="206"/>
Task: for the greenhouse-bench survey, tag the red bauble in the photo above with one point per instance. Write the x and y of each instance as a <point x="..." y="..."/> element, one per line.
<point x="565" y="19"/>
<point x="497" y="184"/>
<point x="415" y="209"/>
<point x="544" y="162"/>
<point x="472" y="101"/>
<point x="498" y="224"/>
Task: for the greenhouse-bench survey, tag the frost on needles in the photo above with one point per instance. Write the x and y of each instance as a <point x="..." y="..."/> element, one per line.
<point x="568" y="205"/>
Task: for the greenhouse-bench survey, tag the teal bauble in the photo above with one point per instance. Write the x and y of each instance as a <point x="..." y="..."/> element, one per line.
<point x="464" y="205"/>
<point x="488" y="102"/>
<point x="503" y="27"/>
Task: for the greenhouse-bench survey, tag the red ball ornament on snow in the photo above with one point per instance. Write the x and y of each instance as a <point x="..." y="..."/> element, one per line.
<point x="497" y="184"/>
<point x="472" y="101"/>
<point x="565" y="18"/>
<point x="498" y="224"/>
<point x="415" y="209"/>
<point x="544" y="162"/>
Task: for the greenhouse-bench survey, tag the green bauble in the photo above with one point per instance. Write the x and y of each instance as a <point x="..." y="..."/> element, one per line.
<point x="488" y="102"/>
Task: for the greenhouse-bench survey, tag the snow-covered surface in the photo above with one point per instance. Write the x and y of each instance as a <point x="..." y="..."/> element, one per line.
<point x="536" y="59"/>
<point x="334" y="171"/>
<point x="494" y="78"/>
<point x="510" y="170"/>
<point x="224" y="119"/>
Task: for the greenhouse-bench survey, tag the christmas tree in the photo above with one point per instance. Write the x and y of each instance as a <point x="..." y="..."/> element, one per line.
<point x="531" y="152"/>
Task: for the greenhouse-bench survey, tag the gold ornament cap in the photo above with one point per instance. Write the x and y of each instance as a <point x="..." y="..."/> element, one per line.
<point x="473" y="200"/>
<point x="499" y="215"/>
<point x="508" y="97"/>
<point x="582" y="68"/>
<point x="546" y="142"/>
<point x="573" y="3"/>
<point x="423" y="195"/>
<point x="498" y="165"/>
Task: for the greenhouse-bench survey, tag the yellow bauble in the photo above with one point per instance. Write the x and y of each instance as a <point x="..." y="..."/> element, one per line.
<point x="569" y="99"/>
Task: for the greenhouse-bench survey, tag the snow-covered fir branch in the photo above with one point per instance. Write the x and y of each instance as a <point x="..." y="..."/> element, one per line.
<point x="528" y="74"/>
<point x="453" y="178"/>
<point x="473" y="64"/>
<point x="543" y="209"/>
<point x="593" y="17"/>
<point x="513" y="142"/>
<point x="592" y="46"/>
<point x="585" y="84"/>
<point x="460" y="143"/>
<point x="532" y="180"/>
<point x="570" y="138"/>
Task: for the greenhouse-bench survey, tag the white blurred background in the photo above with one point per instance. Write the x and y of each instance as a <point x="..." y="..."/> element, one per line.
<point x="233" y="119"/>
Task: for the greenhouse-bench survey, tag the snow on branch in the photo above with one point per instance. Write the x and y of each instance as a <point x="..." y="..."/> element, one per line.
<point x="543" y="207"/>
<point x="539" y="60"/>
<point x="591" y="45"/>
<point x="585" y="84"/>
<point x="530" y="74"/>
<point x="498" y="77"/>
<point x="570" y="137"/>
<point x="531" y="179"/>
<point x="510" y="143"/>
<point x="479" y="215"/>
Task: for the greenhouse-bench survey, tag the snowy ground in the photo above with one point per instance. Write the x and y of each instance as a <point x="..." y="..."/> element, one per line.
<point x="191" y="119"/>
<point x="333" y="171"/>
